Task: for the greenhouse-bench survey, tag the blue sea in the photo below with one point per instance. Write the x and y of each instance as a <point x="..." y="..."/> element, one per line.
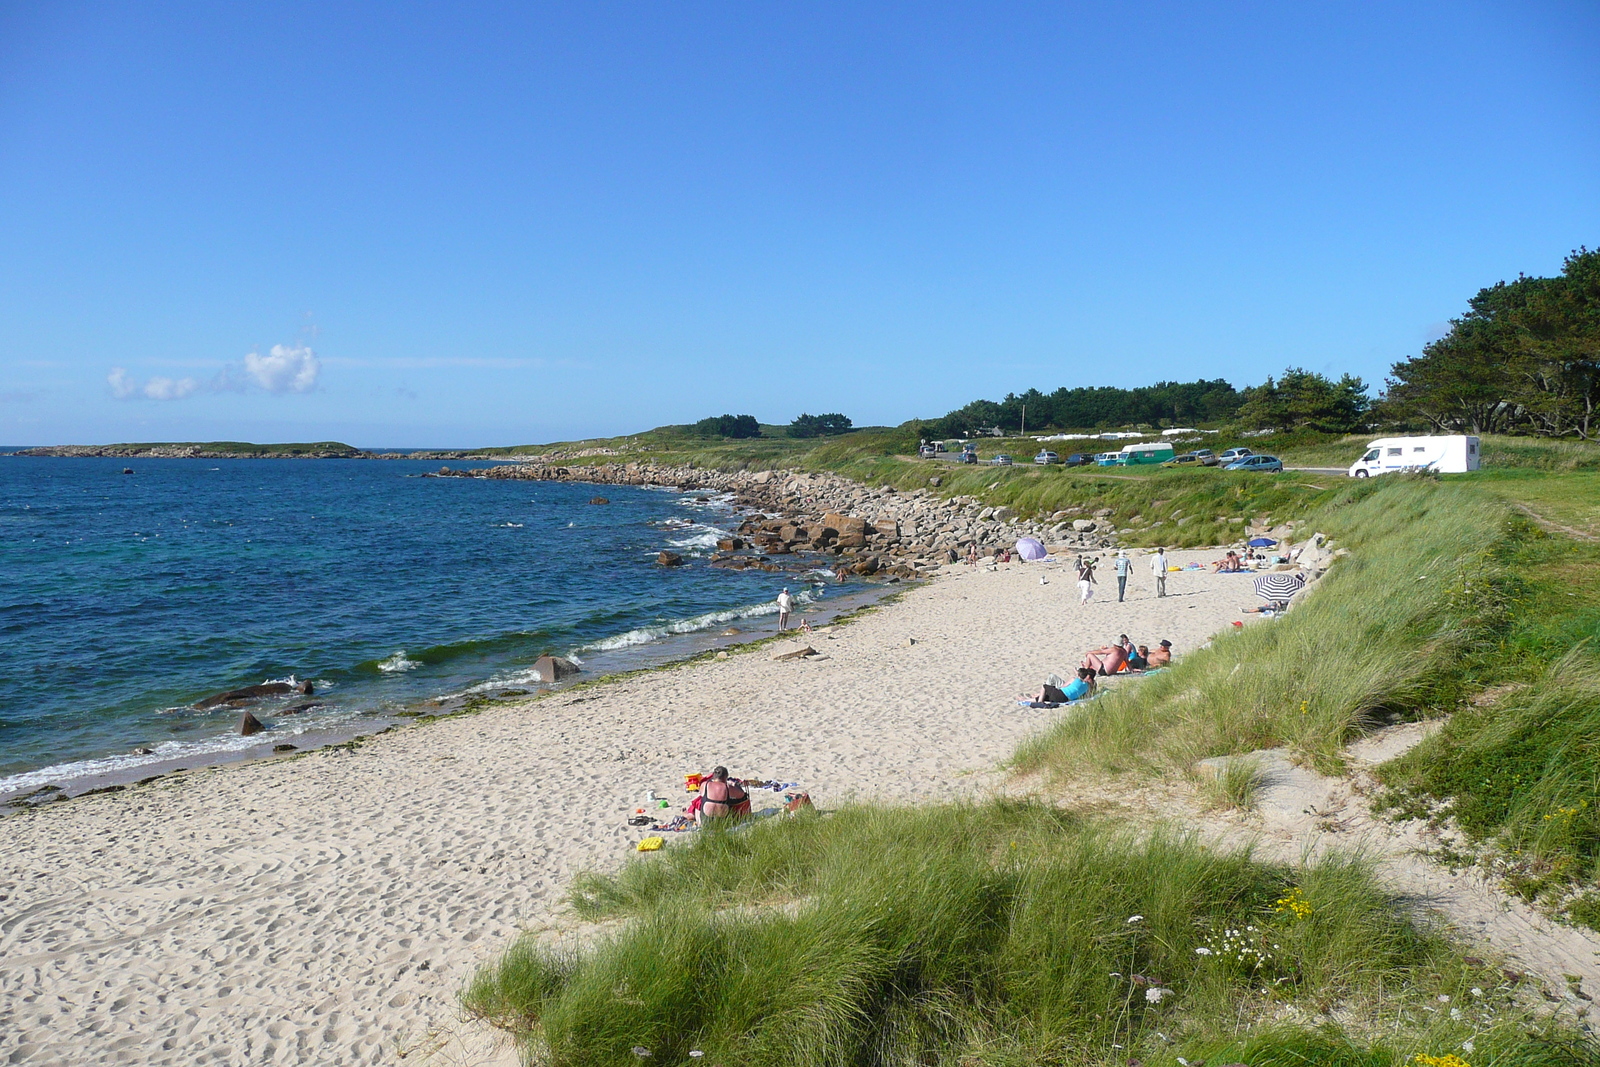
<point x="128" y="597"/>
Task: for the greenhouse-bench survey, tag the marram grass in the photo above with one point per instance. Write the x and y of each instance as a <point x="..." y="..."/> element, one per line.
<point x="1002" y="933"/>
<point x="1381" y="636"/>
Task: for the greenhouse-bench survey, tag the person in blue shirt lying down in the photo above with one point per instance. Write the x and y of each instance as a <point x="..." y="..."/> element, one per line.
<point x="1082" y="687"/>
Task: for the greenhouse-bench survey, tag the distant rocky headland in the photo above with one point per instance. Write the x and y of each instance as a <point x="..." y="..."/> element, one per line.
<point x="868" y="531"/>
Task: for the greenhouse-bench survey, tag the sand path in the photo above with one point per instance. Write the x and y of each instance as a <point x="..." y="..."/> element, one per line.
<point x="328" y="909"/>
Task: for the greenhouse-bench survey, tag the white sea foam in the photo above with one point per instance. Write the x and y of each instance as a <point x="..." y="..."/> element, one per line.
<point x="398" y="663"/>
<point x="646" y="634"/>
<point x="705" y="537"/>
<point x="166" y="752"/>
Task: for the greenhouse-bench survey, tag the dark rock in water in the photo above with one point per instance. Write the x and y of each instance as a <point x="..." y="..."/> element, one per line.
<point x="669" y="559"/>
<point x="127" y="470"/>
<point x="730" y="544"/>
<point x="249" y="724"/>
<point x="254" y="692"/>
<point x="301" y="709"/>
<point x="284" y="748"/>
<point x="141" y="751"/>
<point x="555" y="668"/>
<point x="598" y="500"/>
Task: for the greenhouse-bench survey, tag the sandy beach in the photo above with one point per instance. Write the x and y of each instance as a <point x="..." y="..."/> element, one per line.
<point x="328" y="908"/>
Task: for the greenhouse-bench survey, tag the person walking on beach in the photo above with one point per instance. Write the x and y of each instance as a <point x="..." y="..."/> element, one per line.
<point x="1158" y="567"/>
<point x="785" y="605"/>
<point x="1085" y="581"/>
<point x="1124" y="568"/>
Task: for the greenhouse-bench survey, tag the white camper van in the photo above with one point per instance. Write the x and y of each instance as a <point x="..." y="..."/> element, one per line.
<point x="1455" y="454"/>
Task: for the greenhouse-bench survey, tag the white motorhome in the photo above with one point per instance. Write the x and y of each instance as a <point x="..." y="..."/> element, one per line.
<point x="1455" y="454"/>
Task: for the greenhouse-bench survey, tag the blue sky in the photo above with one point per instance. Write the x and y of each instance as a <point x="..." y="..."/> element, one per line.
<point x="463" y="224"/>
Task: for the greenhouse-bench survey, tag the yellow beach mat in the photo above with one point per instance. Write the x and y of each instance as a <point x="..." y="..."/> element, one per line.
<point x="651" y="844"/>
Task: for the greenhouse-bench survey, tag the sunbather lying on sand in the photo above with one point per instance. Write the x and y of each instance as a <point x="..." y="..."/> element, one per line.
<point x="1108" y="660"/>
<point x="1080" y="688"/>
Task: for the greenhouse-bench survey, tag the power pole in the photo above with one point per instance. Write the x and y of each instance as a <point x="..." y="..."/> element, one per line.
<point x="1024" y="420"/>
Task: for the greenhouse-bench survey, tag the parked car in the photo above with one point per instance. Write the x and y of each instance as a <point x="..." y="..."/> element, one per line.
<point x="1206" y="457"/>
<point x="1256" y="463"/>
<point x="1046" y="456"/>
<point x="1187" y="459"/>
<point x="967" y="457"/>
<point x="1079" y="459"/>
<point x="1002" y="460"/>
<point x="1233" y="455"/>
<point x="927" y="452"/>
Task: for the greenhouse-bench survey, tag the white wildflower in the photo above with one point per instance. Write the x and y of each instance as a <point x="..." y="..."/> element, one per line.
<point x="1202" y="951"/>
<point x="1155" y="993"/>
<point x="1455" y="1013"/>
<point x="1477" y="991"/>
<point x="1136" y="918"/>
<point x="1467" y="1045"/>
<point x="1444" y="998"/>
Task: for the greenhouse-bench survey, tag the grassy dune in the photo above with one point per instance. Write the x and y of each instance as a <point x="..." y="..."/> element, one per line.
<point x="1384" y="636"/>
<point x="994" y="934"/>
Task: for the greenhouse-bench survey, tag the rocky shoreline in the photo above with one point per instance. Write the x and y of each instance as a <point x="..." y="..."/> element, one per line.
<point x="867" y="531"/>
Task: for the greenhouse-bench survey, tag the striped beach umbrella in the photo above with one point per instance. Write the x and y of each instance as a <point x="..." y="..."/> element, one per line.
<point x="1278" y="588"/>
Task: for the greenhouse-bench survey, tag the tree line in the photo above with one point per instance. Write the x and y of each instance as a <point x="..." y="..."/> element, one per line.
<point x="1524" y="359"/>
<point x="745" y="426"/>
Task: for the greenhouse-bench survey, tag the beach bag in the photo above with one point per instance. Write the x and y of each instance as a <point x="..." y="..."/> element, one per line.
<point x="799" y="803"/>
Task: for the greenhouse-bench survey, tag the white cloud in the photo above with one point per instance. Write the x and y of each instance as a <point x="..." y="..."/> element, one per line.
<point x="170" y="388"/>
<point x="123" y="387"/>
<point x="285" y="369"/>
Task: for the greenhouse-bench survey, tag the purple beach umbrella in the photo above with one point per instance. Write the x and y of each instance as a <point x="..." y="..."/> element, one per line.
<point x="1030" y="548"/>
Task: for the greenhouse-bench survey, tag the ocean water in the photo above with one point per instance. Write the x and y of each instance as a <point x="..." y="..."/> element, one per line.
<point x="127" y="598"/>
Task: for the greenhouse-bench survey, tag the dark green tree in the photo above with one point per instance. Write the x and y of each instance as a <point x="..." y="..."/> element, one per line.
<point x="728" y="426"/>
<point x="1305" y="400"/>
<point x="819" y="425"/>
<point x="1525" y="358"/>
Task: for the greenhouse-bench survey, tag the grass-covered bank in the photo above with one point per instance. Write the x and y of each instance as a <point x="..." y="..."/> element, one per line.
<point x="996" y="934"/>
<point x="1384" y="635"/>
<point x="1449" y="603"/>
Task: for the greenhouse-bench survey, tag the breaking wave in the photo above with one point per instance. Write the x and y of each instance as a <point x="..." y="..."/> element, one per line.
<point x="694" y="624"/>
<point x="398" y="663"/>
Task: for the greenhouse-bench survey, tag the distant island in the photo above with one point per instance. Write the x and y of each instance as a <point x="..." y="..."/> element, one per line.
<point x="236" y="450"/>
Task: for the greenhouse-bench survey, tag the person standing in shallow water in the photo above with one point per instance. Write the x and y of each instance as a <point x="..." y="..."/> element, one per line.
<point x="785" y="606"/>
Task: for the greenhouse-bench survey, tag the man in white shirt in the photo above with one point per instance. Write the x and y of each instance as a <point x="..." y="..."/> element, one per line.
<point x="1158" y="567"/>
<point x="785" y="605"/>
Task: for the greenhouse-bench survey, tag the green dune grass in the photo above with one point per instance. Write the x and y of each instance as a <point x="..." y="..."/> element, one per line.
<point x="1001" y="933"/>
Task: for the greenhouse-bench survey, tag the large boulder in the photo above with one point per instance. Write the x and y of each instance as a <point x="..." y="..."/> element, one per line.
<point x="1083" y="525"/>
<point x="669" y="559"/>
<point x="554" y="668"/>
<point x="249" y="724"/>
<point x="792" y="650"/>
<point x="234" y="697"/>
<point x="730" y="544"/>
